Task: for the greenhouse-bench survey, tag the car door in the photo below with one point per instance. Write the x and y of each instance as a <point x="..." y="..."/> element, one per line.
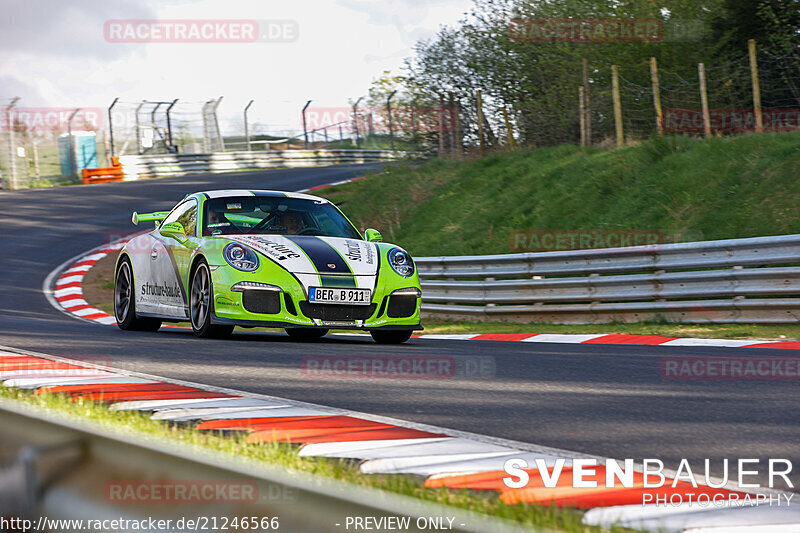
<point x="169" y="262"/>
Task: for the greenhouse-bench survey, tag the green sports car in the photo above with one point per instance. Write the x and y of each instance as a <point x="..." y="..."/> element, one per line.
<point x="245" y="258"/>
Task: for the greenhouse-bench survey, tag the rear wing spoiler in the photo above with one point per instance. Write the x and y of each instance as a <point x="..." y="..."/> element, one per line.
<point x="157" y="217"/>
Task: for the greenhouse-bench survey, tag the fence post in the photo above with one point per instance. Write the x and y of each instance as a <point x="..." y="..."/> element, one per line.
<point x="509" y="131"/>
<point x="617" y="106"/>
<point x="751" y="48"/>
<point x="656" y="94"/>
<point x="111" y="125"/>
<point x="73" y="154"/>
<point x="35" y="148"/>
<point x="389" y="112"/>
<point x="246" y="125"/>
<point x="586" y="102"/>
<point x="12" y="150"/>
<point x="582" y="113"/>
<point x="701" y="70"/>
<point x="441" y="125"/>
<point x="305" y="131"/>
<point x="480" y="121"/>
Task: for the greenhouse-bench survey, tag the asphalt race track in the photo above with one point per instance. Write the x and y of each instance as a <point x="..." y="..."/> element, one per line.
<point x="601" y="399"/>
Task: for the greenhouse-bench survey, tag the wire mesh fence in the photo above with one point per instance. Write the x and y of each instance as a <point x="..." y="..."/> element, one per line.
<point x="652" y="100"/>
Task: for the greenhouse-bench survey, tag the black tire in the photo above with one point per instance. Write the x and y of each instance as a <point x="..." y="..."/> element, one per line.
<point x="125" y="303"/>
<point x="201" y="296"/>
<point x="306" y="334"/>
<point x="392" y="336"/>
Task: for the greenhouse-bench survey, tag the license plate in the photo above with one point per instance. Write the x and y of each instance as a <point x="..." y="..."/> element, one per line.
<point x="324" y="295"/>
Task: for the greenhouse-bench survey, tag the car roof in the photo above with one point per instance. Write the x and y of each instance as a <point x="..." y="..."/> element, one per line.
<point x="224" y="193"/>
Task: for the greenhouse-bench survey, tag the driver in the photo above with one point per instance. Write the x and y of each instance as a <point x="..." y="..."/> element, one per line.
<point x="293" y="222"/>
<point x="215" y="221"/>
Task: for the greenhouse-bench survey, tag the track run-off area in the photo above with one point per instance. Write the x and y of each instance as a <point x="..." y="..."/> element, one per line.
<point x="609" y="400"/>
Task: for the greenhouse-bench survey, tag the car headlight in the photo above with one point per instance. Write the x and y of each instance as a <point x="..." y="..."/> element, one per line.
<point x="401" y="262"/>
<point x="240" y="257"/>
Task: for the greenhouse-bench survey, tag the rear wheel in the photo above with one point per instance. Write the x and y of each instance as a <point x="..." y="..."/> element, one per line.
<point x="306" y="334"/>
<point x="125" y="303"/>
<point x="200" y="297"/>
<point x="394" y="336"/>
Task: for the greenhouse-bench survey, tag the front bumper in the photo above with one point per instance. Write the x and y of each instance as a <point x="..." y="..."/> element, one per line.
<point x="288" y="306"/>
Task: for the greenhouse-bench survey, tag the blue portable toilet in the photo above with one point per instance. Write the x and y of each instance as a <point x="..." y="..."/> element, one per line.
<point x="85" y="152"/>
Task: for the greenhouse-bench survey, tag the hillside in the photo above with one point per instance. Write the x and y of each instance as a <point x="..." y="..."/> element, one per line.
<point x="695" y="189"/>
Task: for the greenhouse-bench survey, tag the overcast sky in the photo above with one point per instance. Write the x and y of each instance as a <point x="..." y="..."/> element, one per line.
<point x="55" y="53"/>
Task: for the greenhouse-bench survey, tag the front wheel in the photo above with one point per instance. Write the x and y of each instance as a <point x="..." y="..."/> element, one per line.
<point x="306" y="334"/>
<point x="200" y="298"/>
<point x="394" y="336"/>
<point x="125" y="302"/>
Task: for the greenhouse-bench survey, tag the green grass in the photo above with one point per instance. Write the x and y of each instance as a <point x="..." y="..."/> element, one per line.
<point x="285" y="455"/>
<point x="703" y="189"/>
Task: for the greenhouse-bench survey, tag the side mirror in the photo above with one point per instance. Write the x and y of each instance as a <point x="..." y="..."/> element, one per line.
<point x="156" y="217"/>
<point x="373" y="235"/>
<point x="174" y="230"/>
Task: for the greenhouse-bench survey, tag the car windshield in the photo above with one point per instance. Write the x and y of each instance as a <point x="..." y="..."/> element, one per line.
<point x="266" y="215"/>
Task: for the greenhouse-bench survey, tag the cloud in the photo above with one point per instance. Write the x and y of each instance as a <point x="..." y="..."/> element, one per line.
<point x="65" y="29"/>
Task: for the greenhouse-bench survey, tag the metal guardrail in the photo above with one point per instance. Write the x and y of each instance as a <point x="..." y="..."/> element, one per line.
<point x="151" y="166"/>
<point x="734" y="280"/>
<point x="65" y="464"/>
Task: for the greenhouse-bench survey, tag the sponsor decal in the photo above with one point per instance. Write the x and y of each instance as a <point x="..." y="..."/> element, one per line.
<point x="162" y="289"/>
<point x="272" y="249"/>
<point x="370" y="254"/>
<point x="224" y="300"/>
<point x="353" y="250"/>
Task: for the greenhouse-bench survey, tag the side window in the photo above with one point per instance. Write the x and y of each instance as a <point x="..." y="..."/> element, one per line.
<point x="186" y="215"/>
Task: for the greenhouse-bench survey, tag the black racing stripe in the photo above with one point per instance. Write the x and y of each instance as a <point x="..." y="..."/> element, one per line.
<point x="326" y="260"/>
<point x="344" y="282"/>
